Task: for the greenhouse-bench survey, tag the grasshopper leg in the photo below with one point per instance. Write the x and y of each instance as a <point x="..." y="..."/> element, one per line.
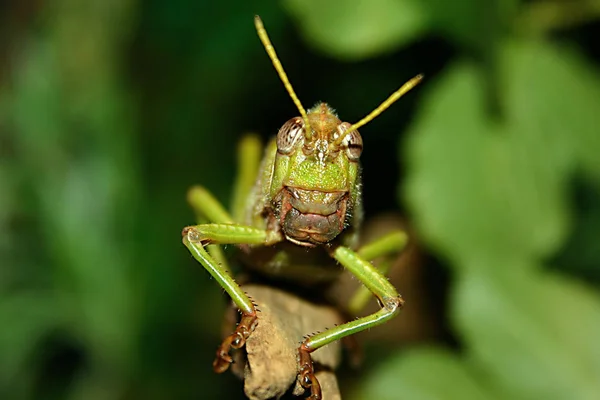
<point x="385" y="246"/>
<point x="389" y="299"/>
<point x="209" y="210"/>
<point x="195" y="238"/>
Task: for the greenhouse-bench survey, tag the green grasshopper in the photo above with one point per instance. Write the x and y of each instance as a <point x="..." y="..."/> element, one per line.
<point x="297" y="221"/>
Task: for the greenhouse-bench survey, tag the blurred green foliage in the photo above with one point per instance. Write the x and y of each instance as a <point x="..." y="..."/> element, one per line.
<point x="110" y="110"/>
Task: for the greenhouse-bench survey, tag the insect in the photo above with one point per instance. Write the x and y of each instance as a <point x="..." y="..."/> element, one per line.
<point x="302" y="215"/>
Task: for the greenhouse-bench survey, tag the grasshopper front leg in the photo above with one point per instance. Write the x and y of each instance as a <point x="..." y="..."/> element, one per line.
<point x="195" y="238"/>
<point x="389" y="299"/>
<point x="217" y="227"/>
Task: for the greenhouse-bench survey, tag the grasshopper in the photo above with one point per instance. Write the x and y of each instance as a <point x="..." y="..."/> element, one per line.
<point x="297" y="221"/>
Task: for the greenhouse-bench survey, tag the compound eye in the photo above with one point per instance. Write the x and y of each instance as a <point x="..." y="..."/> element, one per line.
<point x="352" y="142"/>
<point x="289" y="134"/>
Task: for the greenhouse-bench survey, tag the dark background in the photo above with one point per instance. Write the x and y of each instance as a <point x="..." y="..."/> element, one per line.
<point x="110" y="110"/>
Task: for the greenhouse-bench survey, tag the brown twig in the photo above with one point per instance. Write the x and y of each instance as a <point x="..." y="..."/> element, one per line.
<point x="268" y="363"/>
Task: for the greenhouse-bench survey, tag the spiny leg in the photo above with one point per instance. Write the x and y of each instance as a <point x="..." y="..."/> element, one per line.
<point x="211" y="235"/>
<point x="377" y="283"/>
<point x="386" y="246"/>
<point x="209" y="210"/>
<point x="247" y="323"/>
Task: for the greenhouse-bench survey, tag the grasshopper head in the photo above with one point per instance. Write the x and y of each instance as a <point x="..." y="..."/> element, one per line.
<point x="316" y="176"/>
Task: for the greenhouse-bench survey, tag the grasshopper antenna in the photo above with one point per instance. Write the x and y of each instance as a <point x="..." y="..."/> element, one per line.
<point x="383" y="106"/>
<point x="264" y="38"/>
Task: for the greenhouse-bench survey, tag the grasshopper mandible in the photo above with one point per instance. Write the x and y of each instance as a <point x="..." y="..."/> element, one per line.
<point x="305" y="210"/>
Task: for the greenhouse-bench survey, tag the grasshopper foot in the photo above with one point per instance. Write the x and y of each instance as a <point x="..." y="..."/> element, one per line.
<point x="306" y="374"/>
<point x="236" y="340"/>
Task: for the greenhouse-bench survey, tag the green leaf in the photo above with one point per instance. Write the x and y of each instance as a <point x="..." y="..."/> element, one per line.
<point x="361" y="29"/>
<point x="536" y="334"/>
<point x="485" y="191"/>
<point x="553" y="95"/>
<point x="492" y="195"/>
<point x="423" y="374"/>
